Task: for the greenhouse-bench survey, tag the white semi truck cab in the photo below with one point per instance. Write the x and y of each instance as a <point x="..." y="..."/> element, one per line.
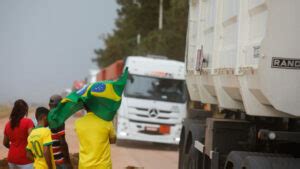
<point x="154" y="101"/>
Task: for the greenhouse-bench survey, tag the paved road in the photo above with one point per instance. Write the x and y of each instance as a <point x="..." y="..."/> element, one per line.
<point x="146" y="155"/>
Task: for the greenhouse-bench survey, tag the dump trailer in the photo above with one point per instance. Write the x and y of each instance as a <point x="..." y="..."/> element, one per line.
<point x="111" y="72"/>
<point x="243" y="59"/>
<point x="77" y="84"/>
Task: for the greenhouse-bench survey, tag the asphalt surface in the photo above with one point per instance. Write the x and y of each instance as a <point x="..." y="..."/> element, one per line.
<point x="135" y="154"/>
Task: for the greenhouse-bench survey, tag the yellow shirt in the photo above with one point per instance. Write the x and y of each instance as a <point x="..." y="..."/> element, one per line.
<point x="94" y="134"/>
<point x="37" y="139"/>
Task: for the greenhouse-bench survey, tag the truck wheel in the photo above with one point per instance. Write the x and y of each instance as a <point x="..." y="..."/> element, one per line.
<point x="193" y="160"/>
<point x="235" y="158"/>
<point x="192" y="129"/>
<point x="181" y="148"/>
<point x="183" y="153"/>
<point x="263" y="162"/>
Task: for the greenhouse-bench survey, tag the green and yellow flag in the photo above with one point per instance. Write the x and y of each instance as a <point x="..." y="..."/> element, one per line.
<point x="102" y="98"/>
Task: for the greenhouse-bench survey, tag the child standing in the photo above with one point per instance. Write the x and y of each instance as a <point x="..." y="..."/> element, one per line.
<point x="39" y="147"/>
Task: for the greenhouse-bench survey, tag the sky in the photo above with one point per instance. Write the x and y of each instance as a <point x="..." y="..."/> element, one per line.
<point x="47" y="44"/>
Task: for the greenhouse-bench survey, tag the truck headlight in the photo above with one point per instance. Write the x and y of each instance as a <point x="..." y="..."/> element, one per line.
<point x="122" y="133"/>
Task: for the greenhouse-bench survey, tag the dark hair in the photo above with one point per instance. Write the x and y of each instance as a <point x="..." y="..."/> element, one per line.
<point x="40" y="112"/>
<point x="85" y="106"/>
<point x="54" y="101"/>
<point x="19" y="110"/>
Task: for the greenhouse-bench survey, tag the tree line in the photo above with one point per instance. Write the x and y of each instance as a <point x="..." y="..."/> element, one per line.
<point x="137" y="32"/>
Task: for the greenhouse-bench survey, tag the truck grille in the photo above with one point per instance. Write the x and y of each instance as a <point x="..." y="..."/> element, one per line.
<point x="137" y="121"/>
<point x="151" y="114"/>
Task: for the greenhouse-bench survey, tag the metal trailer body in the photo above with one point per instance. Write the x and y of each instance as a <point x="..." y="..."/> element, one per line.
<point x="248" y="55"/>
<point x="243" y="56"/>
<point x="111" y="72"/>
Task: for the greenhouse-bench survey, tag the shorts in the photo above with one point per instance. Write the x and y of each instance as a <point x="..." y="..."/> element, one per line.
<point x="17" y="166"/>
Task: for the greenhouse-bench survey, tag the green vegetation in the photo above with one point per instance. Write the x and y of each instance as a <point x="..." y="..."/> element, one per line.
<point x="140" y="17"/>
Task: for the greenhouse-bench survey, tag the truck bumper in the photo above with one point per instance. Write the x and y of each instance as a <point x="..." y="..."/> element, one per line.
<point x="146" y="138"/>
<point x="134" y="131"/>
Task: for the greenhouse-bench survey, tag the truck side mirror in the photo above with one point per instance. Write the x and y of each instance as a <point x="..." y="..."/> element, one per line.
<point x="131" y="79"/>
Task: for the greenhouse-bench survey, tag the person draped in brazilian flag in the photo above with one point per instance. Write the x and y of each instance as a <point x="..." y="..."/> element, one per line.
<point x="95" y="130"/>
<point x="39" y="144"/>
<point x="103" y="98"/>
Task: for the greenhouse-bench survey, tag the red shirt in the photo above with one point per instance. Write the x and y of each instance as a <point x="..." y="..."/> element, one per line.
<point x="18" y="141"/>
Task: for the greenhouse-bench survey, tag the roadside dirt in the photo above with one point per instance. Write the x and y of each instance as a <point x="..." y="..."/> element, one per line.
<point x="128" y="155"/>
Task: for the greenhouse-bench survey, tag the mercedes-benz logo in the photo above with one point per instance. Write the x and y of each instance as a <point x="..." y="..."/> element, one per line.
<point x="153" y="113"/>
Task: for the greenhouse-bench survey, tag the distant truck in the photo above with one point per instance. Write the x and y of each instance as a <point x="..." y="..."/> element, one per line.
<point x="243" y="59"/>
<point x="154" y="100"/>
<point x="92" y="77"/>
<point x="111" y="72"/>
<point x="77" y="84"/>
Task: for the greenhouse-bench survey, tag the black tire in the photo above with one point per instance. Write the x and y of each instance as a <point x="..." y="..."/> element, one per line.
<point x="235" y="158"/>
<point x="256" y="162"/>
<point x="193" y="158"/>
<point x="181" y="148"/>
<point x="183" y="152"/>
<point x="197" y="119"/>
<point x="263" y="162"/>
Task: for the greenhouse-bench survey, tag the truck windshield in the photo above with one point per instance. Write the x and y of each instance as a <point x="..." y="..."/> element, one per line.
<point x="153" y="88"/>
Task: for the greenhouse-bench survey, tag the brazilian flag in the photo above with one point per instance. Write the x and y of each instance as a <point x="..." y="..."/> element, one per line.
<point x="68" y="106"/>
<point x="102" y="98"/>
